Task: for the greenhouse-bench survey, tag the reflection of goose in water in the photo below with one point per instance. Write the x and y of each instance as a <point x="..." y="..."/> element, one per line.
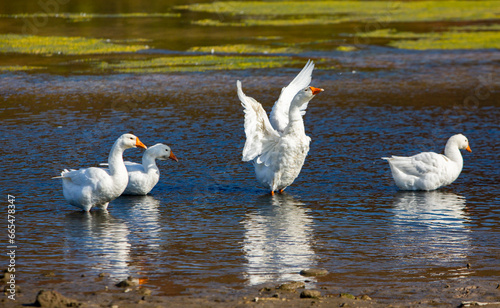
<point x="430" y="226"/>
<point x="142" y="215"/>
<point x="277" y="243"/>
<point x="98" y="241"/>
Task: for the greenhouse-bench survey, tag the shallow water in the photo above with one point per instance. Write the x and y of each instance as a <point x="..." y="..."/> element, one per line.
<point x="207" y="223"/>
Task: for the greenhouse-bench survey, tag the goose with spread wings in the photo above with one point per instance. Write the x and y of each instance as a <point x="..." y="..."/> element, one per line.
<point x="278" y="145"/>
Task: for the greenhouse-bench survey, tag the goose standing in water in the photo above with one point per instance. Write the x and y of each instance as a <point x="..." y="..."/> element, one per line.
<point x="278" y="145"/>
<point x="96" y="187"/>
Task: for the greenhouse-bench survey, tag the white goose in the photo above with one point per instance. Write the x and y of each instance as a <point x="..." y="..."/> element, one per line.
<point x="89" y="187"/>
<point x="429" y="170"/>
<point x="142" y="178"/>
<point x="278" y="146"/>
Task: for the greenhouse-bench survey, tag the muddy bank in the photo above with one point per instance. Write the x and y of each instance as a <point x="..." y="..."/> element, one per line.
<point x="101" y="291"/>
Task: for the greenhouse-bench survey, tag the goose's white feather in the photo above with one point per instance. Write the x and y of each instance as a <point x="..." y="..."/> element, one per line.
<point x="429" y="170"/>
<point x="279" y="113"/>
<point x="278" y="154"/>
<point x="96" y="187"/>
<point x="142" y="178"/>
<point x="261" y="136"/>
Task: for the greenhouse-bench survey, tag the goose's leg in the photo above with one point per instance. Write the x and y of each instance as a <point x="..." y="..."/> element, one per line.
<point x="272" y="192"/>
<point x="281" y="190"/>
<point x="103" y="207"/>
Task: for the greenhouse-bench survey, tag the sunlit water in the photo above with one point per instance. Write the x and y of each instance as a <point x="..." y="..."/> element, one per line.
<point x="208" y="223"/>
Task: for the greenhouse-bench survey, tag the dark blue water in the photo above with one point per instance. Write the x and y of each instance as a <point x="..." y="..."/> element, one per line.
<point x="207" y="223"/>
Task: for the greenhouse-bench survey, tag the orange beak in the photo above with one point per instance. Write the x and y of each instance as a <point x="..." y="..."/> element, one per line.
<point x="172" y="156"/>
<point x="468" y="148"/>
<point x="316" y="90"/>
<point x="138" y="143"/>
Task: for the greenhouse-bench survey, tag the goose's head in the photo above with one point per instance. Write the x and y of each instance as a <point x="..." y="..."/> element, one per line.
<point x="461" y="141"/>
<point x="305" y="95"/>
<point x="128" y="141"/>
<point x="162" y="152"/>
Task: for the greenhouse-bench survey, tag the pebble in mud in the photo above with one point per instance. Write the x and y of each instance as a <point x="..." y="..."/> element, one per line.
<point x="291" y="286"/>
<point x="6" y="276"/>
<point x="49" y="274"/>
<point x="347" y="295"/>
<point x="310" y="294"/>
<point x="6" y="289"/>
<point x="145" y="291"/>
<point x="53" y="299"/>
<point x="129" y="282"/>
<point x="314" y="272"/>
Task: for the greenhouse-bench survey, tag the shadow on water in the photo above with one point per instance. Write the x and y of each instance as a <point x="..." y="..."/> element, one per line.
<point x="110" y="241"/>
<point x="98" y="240"/>
<point x="278" y="240"/>
<point x="142" y="214"/>
<point x="430" y="227"/>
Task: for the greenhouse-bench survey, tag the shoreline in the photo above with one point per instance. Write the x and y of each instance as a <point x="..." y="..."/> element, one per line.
<point x="103" y="292"/>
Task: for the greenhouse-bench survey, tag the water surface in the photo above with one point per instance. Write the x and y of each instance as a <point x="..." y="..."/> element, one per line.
<point x="208" y="224"/>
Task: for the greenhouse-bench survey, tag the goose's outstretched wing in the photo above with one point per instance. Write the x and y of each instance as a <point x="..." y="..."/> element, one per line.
<point x="279" y="114"/>
<point x="261" y="137"/>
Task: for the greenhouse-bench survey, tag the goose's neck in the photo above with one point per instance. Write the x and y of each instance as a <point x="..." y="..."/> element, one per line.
<point x="149" y="163"/>
<point x="295" y="122"/>
<point x="115" y="160"/>
<point x="452" y="151"/>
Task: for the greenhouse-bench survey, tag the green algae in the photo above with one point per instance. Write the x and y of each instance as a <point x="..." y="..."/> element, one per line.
<point x="346" y="48"/>
<point x="268" y="38"/>
<point x="290" y="13"/>
<point x="280" y="8"/>
<point x="244" y="48"/>
<point x="390" y="33"/>
<point x="194" y="64"/>
<point x="452" y="40"/>
<point x="248" y="22"/>
<point x="16" y="68"/>
<point x="494" y="27"/>
<point x="438" y="40"/>
<point x="79" y="17"/>
<point x="50" y="45"/>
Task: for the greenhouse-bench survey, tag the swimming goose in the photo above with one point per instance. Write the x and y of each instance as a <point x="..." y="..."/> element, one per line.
<point x="278" y="145"/>
<point x="96" y="187"/>
<point x="143" y="177"/>
<point x="429" y="170"/>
